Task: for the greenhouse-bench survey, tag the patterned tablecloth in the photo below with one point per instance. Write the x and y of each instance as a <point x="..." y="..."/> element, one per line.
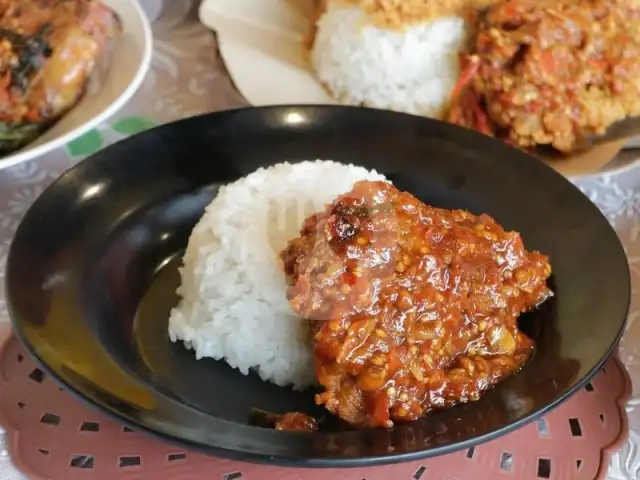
<point x="187" y="78"/>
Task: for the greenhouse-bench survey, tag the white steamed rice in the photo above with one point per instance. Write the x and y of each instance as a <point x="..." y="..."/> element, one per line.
<point x="412" y="71"/>
<point x="233" y="293"/>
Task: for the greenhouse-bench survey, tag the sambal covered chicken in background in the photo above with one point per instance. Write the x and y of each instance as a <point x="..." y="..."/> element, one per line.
<point x="48" y="51"/>
<point x="399" y="55"/>
<point x="551" y="72"/>
<point x="412" y="308"/>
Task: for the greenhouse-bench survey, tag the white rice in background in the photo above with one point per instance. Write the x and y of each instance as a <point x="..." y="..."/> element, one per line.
<point x="412" y="71"/>
<point x="233" y="292"/>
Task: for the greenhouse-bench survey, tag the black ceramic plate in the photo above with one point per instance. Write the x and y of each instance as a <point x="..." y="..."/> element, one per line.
<point x="92" y="272"/>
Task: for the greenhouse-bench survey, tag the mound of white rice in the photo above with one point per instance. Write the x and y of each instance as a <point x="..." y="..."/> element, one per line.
<point x="233" y="293"/>
<point x="412" y="71"/>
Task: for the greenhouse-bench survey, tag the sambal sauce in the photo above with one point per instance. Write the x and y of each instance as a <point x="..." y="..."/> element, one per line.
<point x="551" y="72"/>
<point x="412" y="308"/>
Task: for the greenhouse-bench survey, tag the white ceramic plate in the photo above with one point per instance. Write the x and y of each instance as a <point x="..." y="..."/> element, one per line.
<point x="107" y="92"/>
<point x="262" y="43"/>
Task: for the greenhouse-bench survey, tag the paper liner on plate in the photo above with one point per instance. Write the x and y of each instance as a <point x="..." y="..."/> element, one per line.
<point x="263" y="46"/>
<point x="51" y="435"/>
<point x="591" y="161"/>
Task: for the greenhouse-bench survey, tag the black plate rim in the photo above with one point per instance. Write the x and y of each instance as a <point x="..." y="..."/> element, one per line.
<point x="309" y="462"/>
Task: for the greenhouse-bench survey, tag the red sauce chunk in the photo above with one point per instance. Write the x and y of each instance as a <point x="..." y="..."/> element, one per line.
<point x="412" y="308"/>
<point x="296" y="422"/>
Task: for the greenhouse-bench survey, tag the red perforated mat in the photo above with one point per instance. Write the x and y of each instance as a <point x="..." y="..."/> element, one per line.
<point x="54" y="436"/>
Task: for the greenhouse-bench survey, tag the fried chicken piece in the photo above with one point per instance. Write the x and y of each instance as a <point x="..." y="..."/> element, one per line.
<point x="554" y="73"/>
<point x="412" y="307"/>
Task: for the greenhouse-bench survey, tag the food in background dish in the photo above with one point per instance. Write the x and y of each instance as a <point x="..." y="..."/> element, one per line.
<point x="396" y="55"/>
<point x="48" y="51"/>
<point x="233" y="302"/>
<point x="553" y="73"/>
<point x="412" y="308"/>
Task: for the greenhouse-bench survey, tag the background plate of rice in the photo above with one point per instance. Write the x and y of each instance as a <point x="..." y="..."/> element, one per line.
<point x="264" y="46"/>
